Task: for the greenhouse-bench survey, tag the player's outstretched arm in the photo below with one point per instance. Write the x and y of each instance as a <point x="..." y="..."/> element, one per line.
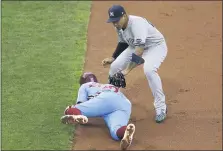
<point x="139" y="30"/>
<point x="135" y="61"/>
<point x="82" y="94"/>
<point x="119" y="49"/>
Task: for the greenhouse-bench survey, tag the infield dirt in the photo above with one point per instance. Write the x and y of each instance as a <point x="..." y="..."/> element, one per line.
<point x="191" y="76"/>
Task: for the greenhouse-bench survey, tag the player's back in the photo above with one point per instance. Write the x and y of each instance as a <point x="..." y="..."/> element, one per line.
<point x="92" y="89"/>
<point x="153" y="34"/>
<point x="140" y="30"/>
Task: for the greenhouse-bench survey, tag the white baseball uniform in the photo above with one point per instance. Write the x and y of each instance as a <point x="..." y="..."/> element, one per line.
<point x="139" y="31"/>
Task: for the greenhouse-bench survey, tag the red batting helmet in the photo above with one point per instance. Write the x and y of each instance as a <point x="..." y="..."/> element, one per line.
<point x="88" y="77"/>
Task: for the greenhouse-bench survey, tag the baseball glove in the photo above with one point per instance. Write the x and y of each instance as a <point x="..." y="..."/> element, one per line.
<point x="117" y="80"/>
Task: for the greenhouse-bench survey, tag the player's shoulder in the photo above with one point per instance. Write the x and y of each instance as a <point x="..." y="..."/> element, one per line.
<point x="90" y="83"/>
<point x="136" y="18"/>
<point x="87" y="84"/>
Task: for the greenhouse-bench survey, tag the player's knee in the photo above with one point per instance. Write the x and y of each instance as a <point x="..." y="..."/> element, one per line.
<point x="149" y="70"/>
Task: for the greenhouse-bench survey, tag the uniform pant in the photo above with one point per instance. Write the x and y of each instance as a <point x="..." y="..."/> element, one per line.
<point x="115" y="108"/>
<point x="153" y="57"/>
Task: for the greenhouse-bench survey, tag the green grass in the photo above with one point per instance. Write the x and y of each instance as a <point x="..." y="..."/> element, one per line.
<point x="43" y="48"/>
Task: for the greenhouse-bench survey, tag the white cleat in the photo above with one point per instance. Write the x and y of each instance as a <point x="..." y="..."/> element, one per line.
<point x="74" y="119"/>
<point x="128" y="137"/>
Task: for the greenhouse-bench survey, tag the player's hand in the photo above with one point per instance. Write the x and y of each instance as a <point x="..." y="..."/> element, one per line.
<point x="107" y="61"/>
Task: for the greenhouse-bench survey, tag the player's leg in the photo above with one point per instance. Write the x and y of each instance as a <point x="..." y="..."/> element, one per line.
<point x="119" y="128"/>
<point x="121" y="61"/>
<point x="117" y="122"/>
<point x="101" y="105"/>
<point x="153" y="59"/>
<point x="73" y="116"/>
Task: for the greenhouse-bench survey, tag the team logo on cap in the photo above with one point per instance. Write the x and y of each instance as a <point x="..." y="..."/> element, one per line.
<point x="112" y="14"/>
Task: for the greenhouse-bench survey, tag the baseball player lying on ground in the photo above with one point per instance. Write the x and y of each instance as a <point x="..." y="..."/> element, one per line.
<point x="139" y="42"/>
<point x="102" y="100"/>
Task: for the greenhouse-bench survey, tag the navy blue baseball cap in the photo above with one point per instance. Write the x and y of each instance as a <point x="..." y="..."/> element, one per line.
<point x="115" y="13"/>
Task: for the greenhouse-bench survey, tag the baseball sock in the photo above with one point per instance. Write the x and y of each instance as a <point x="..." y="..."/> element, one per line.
<point x="120" y="132"/>
<point x="72" y="111"/>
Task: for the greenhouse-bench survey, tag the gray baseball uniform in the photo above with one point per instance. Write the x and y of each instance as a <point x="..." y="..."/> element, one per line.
<point x="139" y="31"/>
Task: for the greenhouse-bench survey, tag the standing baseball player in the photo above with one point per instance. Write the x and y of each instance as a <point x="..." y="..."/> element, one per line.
<point x="139" y="42"/>
<point x="106" y="101"/>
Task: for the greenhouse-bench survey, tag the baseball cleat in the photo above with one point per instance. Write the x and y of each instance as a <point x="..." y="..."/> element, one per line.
<point x="161" y="117"/>
<point x="128" y="137"/>
<point x="66" y="109"/>
<point x="74" y="119"/>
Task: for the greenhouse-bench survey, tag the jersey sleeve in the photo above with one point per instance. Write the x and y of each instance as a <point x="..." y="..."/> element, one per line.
<point x="82" y="93"/>
<point x="140" y="32"/>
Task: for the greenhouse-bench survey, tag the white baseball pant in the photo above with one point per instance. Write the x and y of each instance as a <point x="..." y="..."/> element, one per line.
<point x="153" y="57"/>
